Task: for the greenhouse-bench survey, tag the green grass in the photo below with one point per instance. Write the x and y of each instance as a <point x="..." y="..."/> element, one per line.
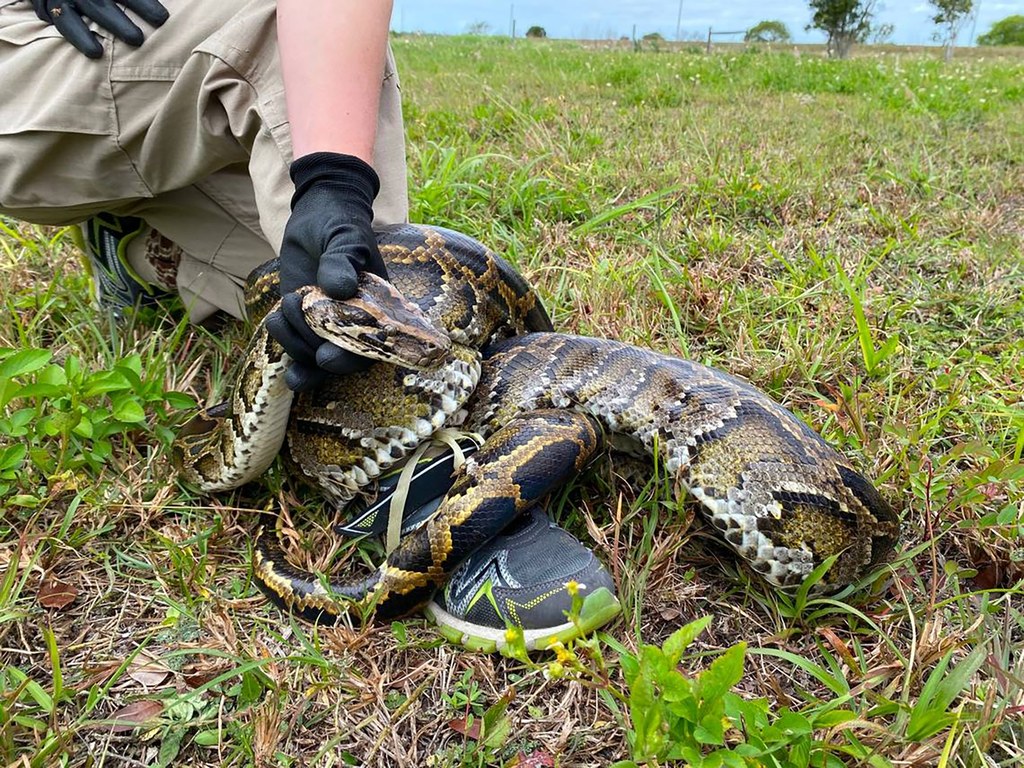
<point x="846" y="235"/>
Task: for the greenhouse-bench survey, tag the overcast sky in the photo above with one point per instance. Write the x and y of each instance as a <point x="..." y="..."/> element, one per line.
<point x="615" y="18"/>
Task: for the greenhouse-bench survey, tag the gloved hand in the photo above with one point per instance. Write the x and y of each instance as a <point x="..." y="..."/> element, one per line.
<point x="66" y="16"/>
<point x="328" y="241"/>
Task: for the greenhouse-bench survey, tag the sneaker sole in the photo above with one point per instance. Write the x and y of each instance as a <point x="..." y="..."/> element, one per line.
<point x="598" y="609"/>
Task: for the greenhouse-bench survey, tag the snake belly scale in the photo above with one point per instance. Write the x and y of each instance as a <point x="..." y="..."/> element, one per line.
<point x="475" y="349"/>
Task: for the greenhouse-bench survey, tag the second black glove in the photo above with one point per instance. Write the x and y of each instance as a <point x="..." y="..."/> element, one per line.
<point x="66" y="16"/>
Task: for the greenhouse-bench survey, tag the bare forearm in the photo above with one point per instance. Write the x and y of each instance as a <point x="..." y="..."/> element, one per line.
<point x="332" y="56"/>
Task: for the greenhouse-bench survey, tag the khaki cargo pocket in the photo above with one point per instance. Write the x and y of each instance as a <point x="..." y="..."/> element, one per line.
<point x="58" y="125"/>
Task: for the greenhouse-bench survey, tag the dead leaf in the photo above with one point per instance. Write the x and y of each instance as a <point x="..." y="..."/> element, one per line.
<point x="147" y="671"/>
<point x="197" y="675"/>
<point x="54" y="593"/>
<point x="991" y="491"/>
<point x="988" y="577"/>
<point x="536" y="759"/>
<point x="840" y="647"/>
<point x="469" y="730"/>
<point x="25" y="553"/>
<point x="98" y="674"/>
<point x="670" y="613"/>
<point x="131" y="716"/>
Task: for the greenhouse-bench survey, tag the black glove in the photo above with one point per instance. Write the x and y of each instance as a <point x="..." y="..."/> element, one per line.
<point x="328" y="241"/>
<point x="66" y="16"/>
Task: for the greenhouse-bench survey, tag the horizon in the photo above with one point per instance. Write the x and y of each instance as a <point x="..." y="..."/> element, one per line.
<point x="675" y="20"/>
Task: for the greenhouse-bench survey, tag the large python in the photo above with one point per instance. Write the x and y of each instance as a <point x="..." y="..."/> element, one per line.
<point x="471" y="346"/>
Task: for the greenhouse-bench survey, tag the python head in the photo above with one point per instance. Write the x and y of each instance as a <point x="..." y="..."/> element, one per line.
<point x="378" y="323"/>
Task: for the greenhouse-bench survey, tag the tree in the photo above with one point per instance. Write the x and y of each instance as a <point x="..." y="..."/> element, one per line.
<point x="536" y="31"/>
<point x="844" y="21"/>
<point x="768" y="32"/>
<point x="881" y="34"/>
<point x="950" y="16"/>
<point x="478" y="28"/>
<point x="1008" y="31"/>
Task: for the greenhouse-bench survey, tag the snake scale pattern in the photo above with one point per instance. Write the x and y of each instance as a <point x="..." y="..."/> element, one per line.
<point x="472" y="347"/>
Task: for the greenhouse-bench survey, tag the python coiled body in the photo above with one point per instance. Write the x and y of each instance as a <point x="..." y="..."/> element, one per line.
<point x="547" y="404"/>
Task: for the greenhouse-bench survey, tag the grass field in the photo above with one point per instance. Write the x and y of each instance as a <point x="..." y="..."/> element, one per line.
<point x="845" y="235"/>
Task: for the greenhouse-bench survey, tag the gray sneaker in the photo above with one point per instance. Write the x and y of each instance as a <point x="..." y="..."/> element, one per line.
<point x="528" y="579"/>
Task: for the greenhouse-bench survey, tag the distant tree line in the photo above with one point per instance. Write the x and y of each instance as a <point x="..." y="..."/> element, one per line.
<point x="846" y="22"/>
<point x="768" y="32"/>
<point x="1009" y="31"/>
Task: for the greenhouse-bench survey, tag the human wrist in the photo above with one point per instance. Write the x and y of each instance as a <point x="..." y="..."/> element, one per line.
<point x="345" y="172"/>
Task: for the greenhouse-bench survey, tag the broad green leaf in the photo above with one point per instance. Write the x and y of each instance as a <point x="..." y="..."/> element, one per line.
<point x="37" y="389"/>
<point x="181" y="709"/>
<point x="102" y="450"/>
<point x="711" y="729"/>
<point x="133" y="363"/>
<point x="7" y="389"/>
<point x="630" y="667"/>
<point x="83" y="429"/>
<point x="12" y="456"/>
<point x="105" y="381"/>
<point x="73" y="369"/>
<point x="835" y="717"/>
<point x="732" y="760"/>
<point x="753" y="712"/>
<point x="496" y="731"/>
<point x="675" y="686"/>
<point x="793" y="723"/>
<point x="800" y="753"/>
<point x="24" y="361"/>
<point x="925" y="723"/>
<point x="251" y="691"/>
<point x="645" y="712"/>
<point x="61" y="422"/>
<point x="684" y="707"/>
<point x="210" y="738"/>
<point x="170" y="746"/>
<point x="1008" y="514"/>
<point x="723" y="674"/>
<point x="680" y="640"/>
<point x="132" y="378"/>
<point x="53" y="374"/>
<point x="400" y="633"/>
<point x="128" y="410"/>
<point x="179" y="401"/>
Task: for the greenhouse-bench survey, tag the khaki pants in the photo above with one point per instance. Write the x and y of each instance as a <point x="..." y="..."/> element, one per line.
<point x="188" y="132"/>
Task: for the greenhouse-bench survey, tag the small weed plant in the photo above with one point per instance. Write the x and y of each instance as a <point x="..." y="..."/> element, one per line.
<point x="65" y="419"/>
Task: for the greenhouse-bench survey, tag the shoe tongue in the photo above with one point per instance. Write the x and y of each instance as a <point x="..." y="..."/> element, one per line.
<point x="525" y="520"/>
